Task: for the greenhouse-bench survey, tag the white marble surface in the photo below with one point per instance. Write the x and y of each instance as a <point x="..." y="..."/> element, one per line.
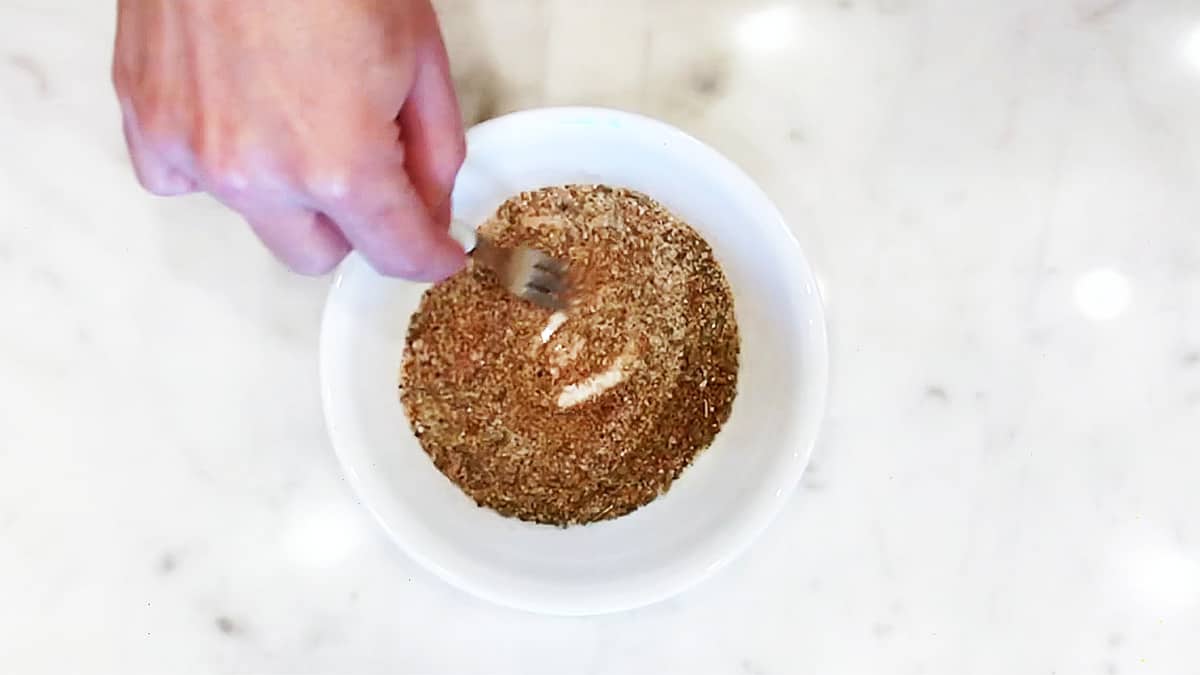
<point x="1002" y="197"/>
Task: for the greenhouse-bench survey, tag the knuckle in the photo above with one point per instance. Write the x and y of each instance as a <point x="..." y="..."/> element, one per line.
<point x="157" y="177"/>
<point x="151" y="183"/>
<point x="329" y="184"/>
<point x="226" y="179"/>
<point x="223" y="171"/>
<point x="340" y="174"/>
<point x="159" y="184"/>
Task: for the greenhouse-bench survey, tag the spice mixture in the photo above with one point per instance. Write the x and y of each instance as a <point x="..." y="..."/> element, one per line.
<point x="583" y="415"/>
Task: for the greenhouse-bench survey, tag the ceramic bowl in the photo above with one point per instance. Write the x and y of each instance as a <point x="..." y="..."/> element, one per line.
<point x="717" y="506"/>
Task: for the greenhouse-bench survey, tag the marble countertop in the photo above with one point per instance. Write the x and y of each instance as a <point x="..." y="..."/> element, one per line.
<point x="1003" y="202"/>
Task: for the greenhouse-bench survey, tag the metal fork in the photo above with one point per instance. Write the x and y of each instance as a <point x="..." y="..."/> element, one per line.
<point x="527" y="273"/>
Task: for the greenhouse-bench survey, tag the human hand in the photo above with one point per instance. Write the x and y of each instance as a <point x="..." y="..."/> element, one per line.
<point x="328" y="125"/>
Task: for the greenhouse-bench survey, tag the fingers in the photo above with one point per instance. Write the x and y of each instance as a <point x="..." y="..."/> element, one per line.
<point x="315" y="176"/>
<point x="386" y="220"/>
<point x="431" y="127"/>
<point x="153" y="172"/>
<point x="305" y="241"/>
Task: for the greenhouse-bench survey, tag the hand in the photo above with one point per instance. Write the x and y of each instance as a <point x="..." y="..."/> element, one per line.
<point x="328" y="124"/>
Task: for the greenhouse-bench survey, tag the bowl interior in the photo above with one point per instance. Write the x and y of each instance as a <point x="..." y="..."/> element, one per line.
<point x="719" y="503"/>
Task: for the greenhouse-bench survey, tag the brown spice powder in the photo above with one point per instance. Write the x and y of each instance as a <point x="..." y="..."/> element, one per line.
<point x="577" y="420"/>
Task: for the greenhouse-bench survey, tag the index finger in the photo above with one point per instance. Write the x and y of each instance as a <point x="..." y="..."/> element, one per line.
<point x="386" y="220"/>
<point x="431" y="125"/>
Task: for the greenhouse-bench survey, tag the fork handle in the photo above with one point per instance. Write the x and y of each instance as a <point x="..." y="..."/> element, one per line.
<point x="464" y="234"/>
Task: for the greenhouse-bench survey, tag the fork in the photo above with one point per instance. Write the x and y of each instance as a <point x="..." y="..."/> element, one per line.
<point x="525" y="272"/>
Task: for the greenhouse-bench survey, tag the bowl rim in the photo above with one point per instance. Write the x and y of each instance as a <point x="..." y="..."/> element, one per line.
<point x="817" y="371"/>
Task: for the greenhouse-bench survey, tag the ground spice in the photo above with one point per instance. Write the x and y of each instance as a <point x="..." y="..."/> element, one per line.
<point x="585" y="415"/>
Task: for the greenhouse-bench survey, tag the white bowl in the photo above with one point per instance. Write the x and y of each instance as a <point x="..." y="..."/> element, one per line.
<point x="717" y="506"/>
